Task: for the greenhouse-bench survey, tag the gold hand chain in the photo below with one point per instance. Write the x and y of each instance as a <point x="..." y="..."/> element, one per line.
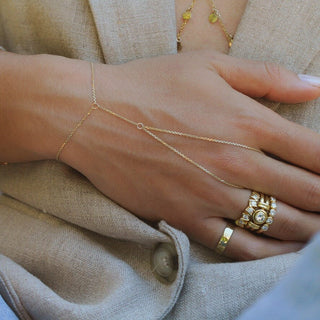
<point x="95" y="105"/>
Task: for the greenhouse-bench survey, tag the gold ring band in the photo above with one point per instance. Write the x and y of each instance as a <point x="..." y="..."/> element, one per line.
<point x="244" y="220"/>
<point x="226" y="236"/>
<point x="259" y="214"/>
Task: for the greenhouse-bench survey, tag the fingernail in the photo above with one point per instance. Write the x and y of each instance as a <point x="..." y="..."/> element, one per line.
<point x="315" y="81"/>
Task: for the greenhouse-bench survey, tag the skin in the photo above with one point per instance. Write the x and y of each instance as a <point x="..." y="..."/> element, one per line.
<point x="44" y="96"/>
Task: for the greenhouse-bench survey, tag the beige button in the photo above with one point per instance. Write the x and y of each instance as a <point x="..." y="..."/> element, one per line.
<point x="164" y="262"/>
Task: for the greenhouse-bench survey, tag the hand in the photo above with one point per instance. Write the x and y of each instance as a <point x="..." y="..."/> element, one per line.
<point x="202" y="93"/>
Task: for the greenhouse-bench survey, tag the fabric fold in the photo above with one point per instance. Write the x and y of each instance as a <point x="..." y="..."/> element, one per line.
<point x="127" y="33"/>
<point x="71" y="197"/>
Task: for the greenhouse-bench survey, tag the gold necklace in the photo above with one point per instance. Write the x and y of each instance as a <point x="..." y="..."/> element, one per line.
<point x="215" y="16"/>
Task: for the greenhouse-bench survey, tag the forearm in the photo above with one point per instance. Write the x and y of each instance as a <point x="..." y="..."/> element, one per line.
<point x="40" y="98"/>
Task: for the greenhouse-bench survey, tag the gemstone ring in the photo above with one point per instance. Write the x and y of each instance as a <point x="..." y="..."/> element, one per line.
<point x="259" y="214"/>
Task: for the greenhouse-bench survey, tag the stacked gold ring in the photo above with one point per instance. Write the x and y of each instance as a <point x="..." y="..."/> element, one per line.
<point x="259" y="214"/>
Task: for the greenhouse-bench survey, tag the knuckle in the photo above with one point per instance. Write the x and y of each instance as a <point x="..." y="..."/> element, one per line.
<point x="276" y="136"/>
<point x="228" y="166"/>
<point x="228" y="161"/>
<point x="281" y="178"/>
<point x="312" y="195"/>
<point x="236" y="165"/>
<point x="254" y="122"/>
<point x="272" y="70"/>
<point x="251" y="252"/>
<point x="211" y="196"/>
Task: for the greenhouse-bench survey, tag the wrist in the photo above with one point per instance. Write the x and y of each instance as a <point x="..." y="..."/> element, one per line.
<point x="65" y="93"/>
<point x="42" y="95"/>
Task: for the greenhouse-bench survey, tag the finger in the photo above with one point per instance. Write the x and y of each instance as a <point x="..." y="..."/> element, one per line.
<point x="280" y="138"/>
<point x="289" y="223"/>
<point x="293" y="224"/>
<point x="265" y="79"/>
<point x="261" y="127"/>
<point x="291" y="142"/>
<point x="242" y="245"/>
<point x="292" y="185"/>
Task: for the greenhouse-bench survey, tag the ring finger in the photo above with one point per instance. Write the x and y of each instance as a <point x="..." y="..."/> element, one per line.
<point x="292" y="185"/>
<point x="242" y="244"/>
<point x="289" y="223"/>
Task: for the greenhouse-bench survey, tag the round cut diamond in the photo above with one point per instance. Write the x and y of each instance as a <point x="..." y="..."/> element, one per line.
<point x="273" y="205"/>
<point x="245" y="217"/>
<point x="272" y="212"/>
<point x="269" y="220"/>
<point x="260" y="217"/>
<point x="240" y="223"/>
<point x="265" y="227"/>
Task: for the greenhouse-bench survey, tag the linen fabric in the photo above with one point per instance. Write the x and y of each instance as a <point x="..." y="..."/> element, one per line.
<point x="68" y="251"/>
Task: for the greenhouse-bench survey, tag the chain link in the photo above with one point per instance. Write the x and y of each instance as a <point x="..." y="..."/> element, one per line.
<point x="140" y="126"/>
<point x="186" y="16"/>
<point x="227" y="34"/>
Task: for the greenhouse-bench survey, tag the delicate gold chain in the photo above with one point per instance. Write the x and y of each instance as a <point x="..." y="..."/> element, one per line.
<point x="214" y="16"/>
<point x="192" y="136"/>
<point x="179" y="153"/>
<point x="73" y="131"/>
<point x="95" y="105"/>
<point x="148" y="130"/>
<point x="186" y="16"/>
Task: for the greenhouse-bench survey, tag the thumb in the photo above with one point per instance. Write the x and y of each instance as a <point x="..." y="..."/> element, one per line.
<point x="267" y="80"/>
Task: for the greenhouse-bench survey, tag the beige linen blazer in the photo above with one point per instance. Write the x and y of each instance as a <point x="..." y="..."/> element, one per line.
<point x="67" y="252"/>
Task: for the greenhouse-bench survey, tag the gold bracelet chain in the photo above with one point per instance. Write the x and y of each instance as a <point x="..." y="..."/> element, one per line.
<point x="95" y="105"/>
<point x="215" y="16"/>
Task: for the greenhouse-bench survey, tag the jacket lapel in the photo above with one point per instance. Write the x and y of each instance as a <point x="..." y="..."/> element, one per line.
<point x="132" y="29"/>
<point x="286" y="31"/>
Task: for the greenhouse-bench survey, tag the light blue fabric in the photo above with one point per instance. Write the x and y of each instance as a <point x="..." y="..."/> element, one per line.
<point x="297" y="296"/>
<point x="5" y="312"/>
